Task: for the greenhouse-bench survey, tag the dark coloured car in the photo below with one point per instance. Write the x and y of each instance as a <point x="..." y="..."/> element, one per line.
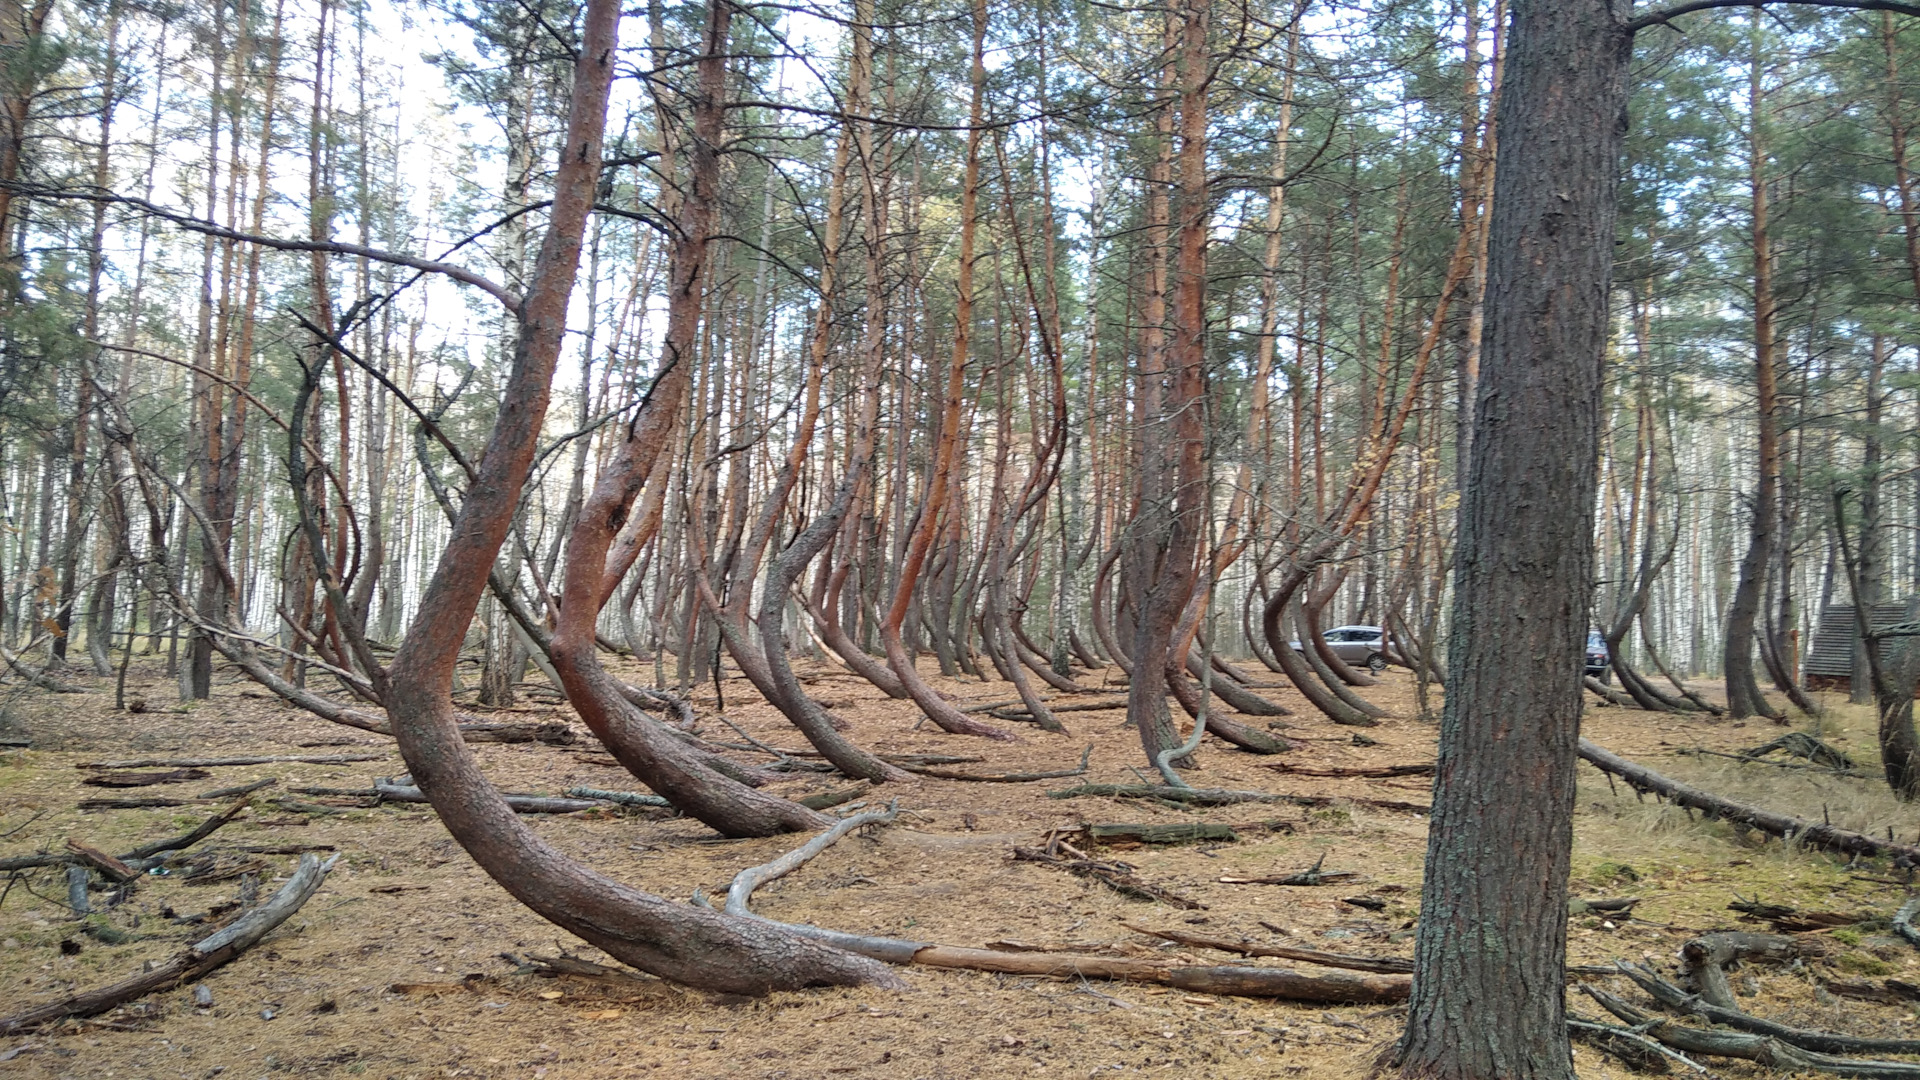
<point x="1598" y="662"/>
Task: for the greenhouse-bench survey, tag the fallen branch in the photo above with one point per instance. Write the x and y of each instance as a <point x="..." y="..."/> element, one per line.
<point x="1117" y="876"/>
<point x="1903" y="922"/>
<point x="1312" y="875"/>
<point x="1002" y="778"/>
<point x="1386" y="965"/>
<point x="1707" y="957"/>
<point x="1797" y="830"/>
<point x="1674" y="997"/>
<point x="195" y="961"/>
<point x="624" y="798"/>
<point x="137" y="859"/>
<point x="1763" y="1049"/>
<point x="216" y="762"/>
<point x="1701" y="751"/>
<point x="746" y="881"/>
<point x="1639" y="1052"/>
<point x="1371" y="771"/>
<point x="388" y="791"/>
<point x="1223" y="797"/>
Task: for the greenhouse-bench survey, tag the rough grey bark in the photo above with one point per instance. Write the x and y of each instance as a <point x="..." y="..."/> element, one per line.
<point x="1491" y="954"/>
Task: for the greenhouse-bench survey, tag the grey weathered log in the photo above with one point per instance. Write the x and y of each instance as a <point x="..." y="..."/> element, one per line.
<point x="1763" y="1049"/>
<point x="1673" y="997"/>
<point x="1708" y="955"/>
<point x="215" y="762"/>
<point x="1903" y="922"/>
<point x="624" y="798"/>
<point x="388" y="791"/>
<point x="745" y="882"/>
<point x="193" y="962"/>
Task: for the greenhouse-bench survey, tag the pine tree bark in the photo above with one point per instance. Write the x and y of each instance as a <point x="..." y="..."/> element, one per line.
<point x="1491" y="953"/>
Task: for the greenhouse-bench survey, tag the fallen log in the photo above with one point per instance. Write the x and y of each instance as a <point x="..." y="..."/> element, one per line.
<point x="1369" y="771"/>
<point x="1793" y="829"/>
<point x="1312" y="875"/>
<point x="388" y="791"/>
<point x="1764" y="1049"/>
<point x="624" y="798"/>
<point x="1673" y="997"/>
<point x="1179" y="833"/>
<point x="1903" y="922"/>
<point x="217" y="762"/>
<point x="1001" y="778"/>
<point x="144" y="779"/>
<point x="1385" y="965"/>
<point x="1224" y="797"/>
<point x="195" y="961"/>
<point x="1707" y="956"/>
<point x="137" y="859"/>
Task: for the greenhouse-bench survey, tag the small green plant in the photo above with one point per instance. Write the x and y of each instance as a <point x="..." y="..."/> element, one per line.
<point x="1846" y="936"/>
<point x="1609" y="873"/>
<point x="1859" y="963"/>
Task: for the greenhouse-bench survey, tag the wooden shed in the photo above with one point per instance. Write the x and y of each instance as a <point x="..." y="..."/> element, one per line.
<point x="1829" y="663"/>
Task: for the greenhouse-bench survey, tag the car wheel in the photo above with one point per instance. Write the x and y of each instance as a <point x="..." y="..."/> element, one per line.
<point x="1376" y="663"/>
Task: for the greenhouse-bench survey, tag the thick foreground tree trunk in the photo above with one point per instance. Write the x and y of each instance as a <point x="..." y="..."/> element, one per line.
<point x="1491" y="954"/>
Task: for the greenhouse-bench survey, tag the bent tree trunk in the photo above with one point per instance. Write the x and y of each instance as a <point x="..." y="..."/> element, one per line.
<point x="698" y="947"/>
<point x="1491" y="953"/>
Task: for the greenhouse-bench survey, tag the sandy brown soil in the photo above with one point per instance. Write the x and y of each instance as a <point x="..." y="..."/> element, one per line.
<point x="368" y="979"/>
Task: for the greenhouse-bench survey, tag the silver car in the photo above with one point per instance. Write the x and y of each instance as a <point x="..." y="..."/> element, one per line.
<point x="1361" y="646"/>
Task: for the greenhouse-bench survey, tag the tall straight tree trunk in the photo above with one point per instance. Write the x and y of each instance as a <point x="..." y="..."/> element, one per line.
<point x="932" y="519"/>
<point x="1743" y="613"/>
<point x="1488" y="995"/>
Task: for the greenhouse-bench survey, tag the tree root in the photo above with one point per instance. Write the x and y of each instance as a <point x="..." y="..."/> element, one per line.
<point x="197" y="960"/>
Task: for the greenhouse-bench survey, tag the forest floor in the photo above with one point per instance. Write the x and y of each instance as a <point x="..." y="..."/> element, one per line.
<point x="394" y="968"/>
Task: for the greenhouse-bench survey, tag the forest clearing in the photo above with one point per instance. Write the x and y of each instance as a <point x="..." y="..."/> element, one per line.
<point x="393" y="969"/>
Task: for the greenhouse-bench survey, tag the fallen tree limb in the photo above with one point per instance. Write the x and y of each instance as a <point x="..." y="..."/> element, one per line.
<point x="1639" y="1052"/>
<point x="1372" y="771"/>
<point x="1763" y="1049"/>
<point x="1708" y="955"/>
<point x="216" y="762"/>
<point x="746" y="881"/>
<point x="1903" y="922"/>
<point x="388" y="791"/>
<point x="1787" y="827"/>
<point x="1117" y="876"/>
<point x="1312" y="875"/>
<point x="1673" y="997"/>
<point x="624" y="798"/>
<point x="1805" y="766"/>
<point x="1386" y="965"/>
<point x="1002" y="778"/>
<point x="1223" y="797"/>
<point x="195" y="961"/>
<point x="123" y="779"/>
<point x="137" y="859"/>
